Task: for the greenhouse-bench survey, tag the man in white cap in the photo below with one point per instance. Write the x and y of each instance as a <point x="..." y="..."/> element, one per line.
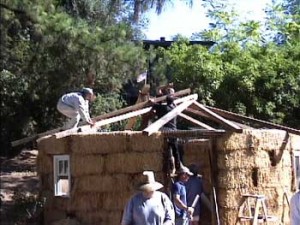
<point x="75" y="105"/>
<point x="295" y="208"/>
<point x="149" y="206"/>
<point x="182" y="211"/>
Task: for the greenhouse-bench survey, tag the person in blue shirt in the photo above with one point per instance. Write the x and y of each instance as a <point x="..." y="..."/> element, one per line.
<point x="194" y="187"/>
<point x="149" y="206"/>
<point x="182" y="211"/>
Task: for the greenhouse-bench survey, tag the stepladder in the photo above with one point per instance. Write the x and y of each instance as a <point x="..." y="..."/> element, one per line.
<point x="253" y="210"/>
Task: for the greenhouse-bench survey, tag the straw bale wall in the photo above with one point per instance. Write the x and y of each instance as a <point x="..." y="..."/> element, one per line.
<point x="254" y="162"/>
<point x="106" y="167"/>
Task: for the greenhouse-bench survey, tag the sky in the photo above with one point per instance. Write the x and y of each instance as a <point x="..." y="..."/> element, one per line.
<point x="179" y="18"/>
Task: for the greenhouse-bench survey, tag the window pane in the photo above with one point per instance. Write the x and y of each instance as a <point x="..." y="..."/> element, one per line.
<point x="66" y="164"/>
<point x="60" y="166"/>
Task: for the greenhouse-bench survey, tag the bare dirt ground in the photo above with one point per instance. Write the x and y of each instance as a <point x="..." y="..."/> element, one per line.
<point x="17" y="175"/>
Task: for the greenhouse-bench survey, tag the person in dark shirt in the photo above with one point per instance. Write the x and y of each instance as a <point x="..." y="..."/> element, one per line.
<point x="161" y="109"/>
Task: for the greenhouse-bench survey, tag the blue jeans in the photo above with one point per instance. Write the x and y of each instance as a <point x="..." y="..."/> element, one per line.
<point x="182" y="221"/>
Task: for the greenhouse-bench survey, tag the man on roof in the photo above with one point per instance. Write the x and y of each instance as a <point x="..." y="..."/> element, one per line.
<point x="75" y="106"/>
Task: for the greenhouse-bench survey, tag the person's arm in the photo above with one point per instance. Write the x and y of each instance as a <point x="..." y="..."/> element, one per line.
<point x="127" y="214"/>
<point x="181" y="205"/>
<point x="83" y="109"/>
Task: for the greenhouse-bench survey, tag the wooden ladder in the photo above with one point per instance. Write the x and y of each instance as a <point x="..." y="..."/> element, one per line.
<point x="253" y="209"/>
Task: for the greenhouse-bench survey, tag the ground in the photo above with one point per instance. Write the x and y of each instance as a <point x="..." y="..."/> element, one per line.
<point x="18" y="175"/>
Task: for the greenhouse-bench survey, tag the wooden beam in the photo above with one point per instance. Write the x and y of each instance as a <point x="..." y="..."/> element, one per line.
<point x="218" y="118"/>
<point x="243" y="119"/>
<point x="194" y="133"/>
<point x="154" y="127"/>
<point x="101" y="117"/>
<point x="196" y="112"/>
<point x="88" y="128"/>
<point x="197" y="122"/>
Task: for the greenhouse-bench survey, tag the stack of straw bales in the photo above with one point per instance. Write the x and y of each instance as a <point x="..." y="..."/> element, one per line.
<point x="105" y="169"/>
<point x="254" y="162"/>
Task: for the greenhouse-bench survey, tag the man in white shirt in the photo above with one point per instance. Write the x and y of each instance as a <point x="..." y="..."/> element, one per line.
<point x="75" y="105"/>
<point x="295" y="208"/>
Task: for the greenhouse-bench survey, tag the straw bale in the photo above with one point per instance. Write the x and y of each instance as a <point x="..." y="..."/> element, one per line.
<point x="274" y="177"/>
<point x="236" y="159"/>
<point x="61" y="203"/>
<point x="86" y="164"/>
<point x="53" y="215"/>
<point x="104" y="183"/>
<point x="295" y="141"/>
<point x="44" y="163"/>
<point x="235" y="178"/>
<point x="228" y="198"/>
<point x="66" y="221"/>
<point x="86" y="201"/>
<point x="133" y="162"/>
<point x="53" y="145"/>
<point x="46" y="181"/>
<point x="268" y="139"/>
<point x="143" y="143"/>
<point x="233" y="141"/>
<point x="99" y="143"/>
<point x="228" y="216"/>
<point x="116" y="201"/>
<point x="100" y="217"/>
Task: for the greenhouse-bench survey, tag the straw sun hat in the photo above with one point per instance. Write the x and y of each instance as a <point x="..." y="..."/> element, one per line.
<point x="150" y="184"/>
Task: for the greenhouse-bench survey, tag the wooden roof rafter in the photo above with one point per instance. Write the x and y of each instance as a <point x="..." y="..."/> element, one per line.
<point x="241" y="119"/>
<point x="215" y="117"/>
<point x="196" y="122"/>
<point x="154" y="127"/>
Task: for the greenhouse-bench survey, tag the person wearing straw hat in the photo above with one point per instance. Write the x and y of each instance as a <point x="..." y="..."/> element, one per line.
<point x="149" y="206"/>
<point x="182" y="210"/>
<point x="75" y="106"/>
<point x="295" y="208"/>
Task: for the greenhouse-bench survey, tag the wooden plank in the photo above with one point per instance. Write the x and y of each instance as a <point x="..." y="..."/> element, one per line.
<point x="101" y="117"/>
<point x="197" y="112"/>
<point x="218" y="118"/>
<point x="243" y="119"/>
<point x="154" y="127"/>
<point x="197" y="122"/>
<point x="199" y="133"/>
<point x="88" y="128"/>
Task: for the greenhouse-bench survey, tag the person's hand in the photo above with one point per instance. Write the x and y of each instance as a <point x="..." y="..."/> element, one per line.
<point x="92" y="123"/>
<point x="190" y="211"/>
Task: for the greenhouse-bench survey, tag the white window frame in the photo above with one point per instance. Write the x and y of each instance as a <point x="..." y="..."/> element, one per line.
<point x="296" y="161"/>
<point x="61" y="165"/>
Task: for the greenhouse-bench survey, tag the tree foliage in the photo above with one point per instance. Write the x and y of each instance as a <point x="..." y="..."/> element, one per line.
<point x="45" y="52"/>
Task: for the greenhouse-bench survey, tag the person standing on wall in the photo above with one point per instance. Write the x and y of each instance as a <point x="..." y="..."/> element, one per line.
<point x="160" y="109"/>
<point x="149" y="206"/>
<point x="75" y="106"/>
<point x="295" y="207"/>
<point x="182" y="211"/>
